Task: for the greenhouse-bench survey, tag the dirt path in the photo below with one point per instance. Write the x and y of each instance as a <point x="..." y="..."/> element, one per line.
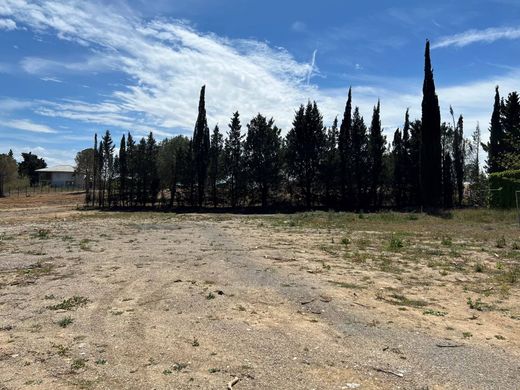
<point x="192" y="302"/>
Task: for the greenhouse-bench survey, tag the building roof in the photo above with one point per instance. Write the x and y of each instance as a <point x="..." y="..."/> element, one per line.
<point x="58" y="168"/>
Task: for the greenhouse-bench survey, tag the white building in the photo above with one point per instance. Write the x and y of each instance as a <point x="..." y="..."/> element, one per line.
<point x="58" y="176"/>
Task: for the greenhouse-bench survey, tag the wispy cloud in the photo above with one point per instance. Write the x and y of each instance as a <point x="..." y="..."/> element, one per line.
<point x="26" y="125"/>
<point x="7" y="24"/>
<point x="469" y="37"/>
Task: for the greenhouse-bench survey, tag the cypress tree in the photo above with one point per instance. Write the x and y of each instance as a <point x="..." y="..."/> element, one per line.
<point x="200" y="148"/>
<point x="399" y="180"/>
<point x="123" y="171"/>
<point x="233" y="152"/>
<point x="459" y="158"/>
<point x="407" y="163"/>
<point x="108" y="167"/>
<point x="215" y="162"/>
<point x="494" y="146"/>
<point x="376" y="149"/>
<point x="415" y="163"/>
<point x="95" y="170"/>
<point x="431" y="167"/>
<point x="345" y="153"/>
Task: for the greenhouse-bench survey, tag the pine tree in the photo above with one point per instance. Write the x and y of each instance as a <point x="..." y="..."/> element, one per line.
<point x="510" y="156"/>
<point x="329" y="171"/>
<point x="448" y="181"/>
<point x="200" y="148"/>
<point x="123" y="171"/>
<point x="152" y="189"/>
<point x="431" y="165"/>
<point x="233" y="153"/>
<point x="215" y="162"/>
<point x="496" y="137"/>
<point x="459" y="158"/>
<point x="131" y="163"/>
<point x="359" y="158"/>
<point x="262" y="155"/>
<point x="305" y="149"/>
<point x="345" y="154"/>
<point x="415" y="163"/>
<point x="107" y="172"/>
<point x="376" y="149"/>
<point x="407" y="163"/>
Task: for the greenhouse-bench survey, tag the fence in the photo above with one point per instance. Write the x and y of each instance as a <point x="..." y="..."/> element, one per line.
<point x="28" y="190"/>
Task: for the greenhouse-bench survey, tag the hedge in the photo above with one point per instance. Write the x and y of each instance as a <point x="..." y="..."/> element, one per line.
<point x="509" y="183"/>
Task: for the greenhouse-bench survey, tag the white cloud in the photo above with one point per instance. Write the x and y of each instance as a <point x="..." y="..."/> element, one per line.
<point x="26" y="125"/>
<point x="299" y="26"/>
<point x="488" y="35"/>
<point x="7" y="24"/>
<point x="167" y="62"/>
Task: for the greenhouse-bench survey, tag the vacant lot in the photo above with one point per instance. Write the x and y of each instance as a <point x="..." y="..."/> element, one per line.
<point x="307" y="301"/>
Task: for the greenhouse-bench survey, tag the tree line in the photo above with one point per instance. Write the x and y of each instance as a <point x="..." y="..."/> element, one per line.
<point x="349" y="165"/>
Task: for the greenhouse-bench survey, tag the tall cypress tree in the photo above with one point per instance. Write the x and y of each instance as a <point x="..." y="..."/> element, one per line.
<point x="215" y="162"/>
<point x="431" y="164"/>
<point x="233" y="156"/>
<point x="493" y="147"/>
<point x="123" y="171"/>
<point x="511" y="137"/>
<point x="459" y="158"/>
<point x="399" y="178"/>
<point x="376" y="149"/>
<point x="345" y="154"/>
<point x="200" y="148"/>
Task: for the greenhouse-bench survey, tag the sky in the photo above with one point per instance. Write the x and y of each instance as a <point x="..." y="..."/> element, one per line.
<point x="71" y="68"/>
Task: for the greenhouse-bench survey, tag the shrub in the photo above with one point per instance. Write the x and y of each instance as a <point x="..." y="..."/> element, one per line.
<point x="509" y="183"/>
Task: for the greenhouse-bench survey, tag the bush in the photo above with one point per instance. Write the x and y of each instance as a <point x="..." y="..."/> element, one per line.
<point x="509" y="182"/>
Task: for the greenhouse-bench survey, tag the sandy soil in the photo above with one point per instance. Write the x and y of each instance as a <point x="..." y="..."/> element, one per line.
<point x="150" y="300"/>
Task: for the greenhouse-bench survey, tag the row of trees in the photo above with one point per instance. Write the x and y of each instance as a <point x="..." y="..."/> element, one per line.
<point x="19" y="174"/>
<point x="347" y="166"/>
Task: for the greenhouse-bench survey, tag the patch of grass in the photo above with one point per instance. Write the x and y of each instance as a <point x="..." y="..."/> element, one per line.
<point x="101" y="362"/>
<point x="401" y="300"/>
<point x="395" y="244"/>
<point x="42" y="234"/>
<point x="446" y="241"/>
<point x="37" y="269"/>
<point x="480" y="268"/>
<point x="510" y="276"/>
<point x="210" y="296"/>
<point x="347" y="285"/>
<point x="167" y="372"/>
<point x="61" y="349"/>
<point x="436" y="313"/>
<point x="180" y="366"/>
<point x="467" y="335"/>
<point x="213" y="370"/>
<point x="478" y="305"/>
<point x="84" y="245"/>
<point x="65" y="321"/>
<point x="78" y="364"/>
<point x="70" y="303"/>
<point x="345" y="241"/>
<point x="501" y="242"/>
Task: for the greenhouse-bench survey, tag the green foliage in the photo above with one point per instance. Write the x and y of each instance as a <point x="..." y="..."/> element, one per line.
<point x="70" y="303"/>
<point x="507" y="182"/>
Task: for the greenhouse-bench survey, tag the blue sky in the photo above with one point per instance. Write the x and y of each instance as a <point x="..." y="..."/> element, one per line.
<point x="72" y="68"/>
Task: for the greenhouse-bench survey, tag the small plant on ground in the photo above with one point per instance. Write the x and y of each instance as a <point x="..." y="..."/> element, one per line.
<point x="42" y="234"/>
<point x="210" y="296"/>
<point x="101" y="362"/>
<point x="446" y="241"/>
<point x="479" y="267"/>
<point x="501" y="242"/>
<point x="65" y="321"/>
<point x="195" y="342"/>
<point x="436" y="313"/>
<point x="467" y="335"/>
<point x="395" y="244"/>
<point x="70" y="303"/>
<point x="78" y="364"/>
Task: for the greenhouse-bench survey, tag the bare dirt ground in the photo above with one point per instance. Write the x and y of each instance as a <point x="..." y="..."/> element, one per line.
<point x="100" y="300"/>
